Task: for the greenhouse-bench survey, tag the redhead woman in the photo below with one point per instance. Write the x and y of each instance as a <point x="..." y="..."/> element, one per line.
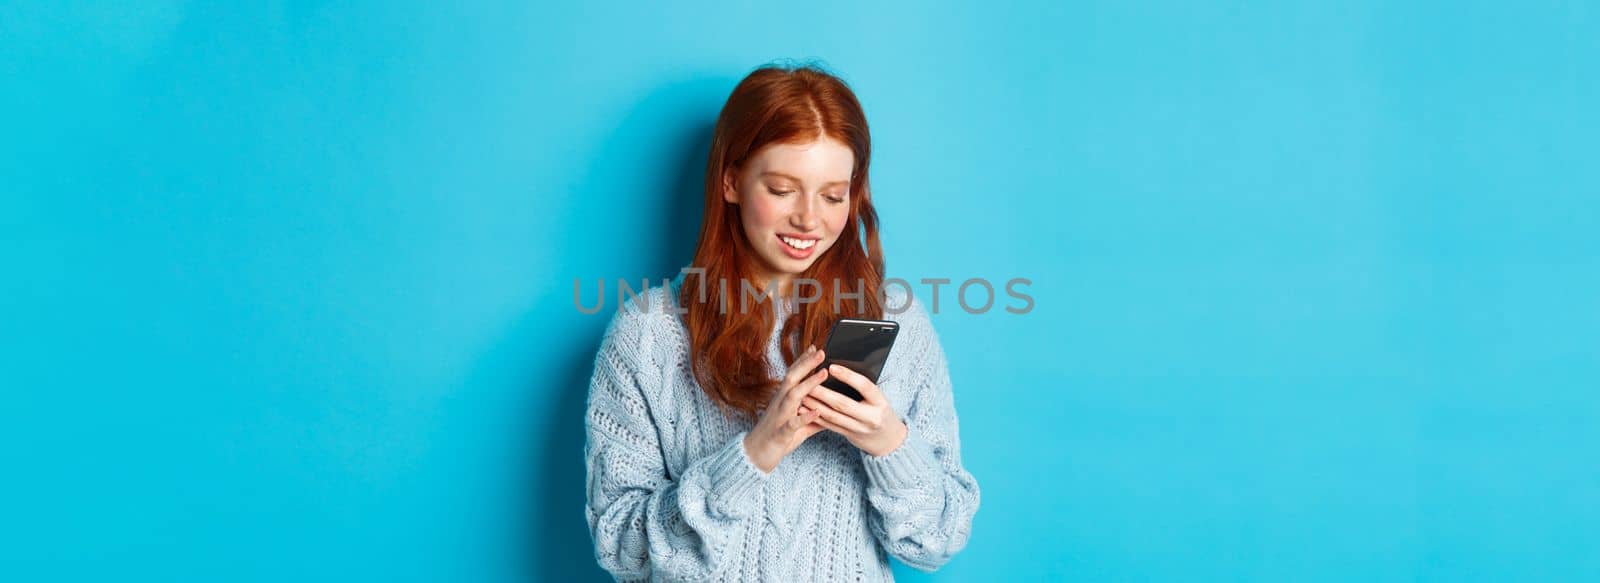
<point x="714" y="452"/>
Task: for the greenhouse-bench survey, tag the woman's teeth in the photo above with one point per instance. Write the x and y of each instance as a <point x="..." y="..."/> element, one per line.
<point x="799" y="243"/>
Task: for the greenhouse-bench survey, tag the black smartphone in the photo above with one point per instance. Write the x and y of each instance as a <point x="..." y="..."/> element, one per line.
<point x="859" y="345"/>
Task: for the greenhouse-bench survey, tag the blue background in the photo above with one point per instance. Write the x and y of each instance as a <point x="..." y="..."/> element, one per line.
<point x="288" y="285"/>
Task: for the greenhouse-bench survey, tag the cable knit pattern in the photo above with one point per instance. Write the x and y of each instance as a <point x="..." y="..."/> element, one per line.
<point x="672" y="496"/>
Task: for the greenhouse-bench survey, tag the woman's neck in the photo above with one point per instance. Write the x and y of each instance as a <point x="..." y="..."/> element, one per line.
<point x="782" y="284"/>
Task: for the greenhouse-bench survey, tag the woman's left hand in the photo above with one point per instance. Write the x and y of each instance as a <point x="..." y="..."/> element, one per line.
<point x="870" y="424"/>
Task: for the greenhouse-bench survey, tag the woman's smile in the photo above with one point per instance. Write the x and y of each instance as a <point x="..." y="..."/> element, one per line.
<point x="798" y="246"/>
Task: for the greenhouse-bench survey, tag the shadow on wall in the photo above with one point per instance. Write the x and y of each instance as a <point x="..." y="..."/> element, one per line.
<point x="620" y="229"/>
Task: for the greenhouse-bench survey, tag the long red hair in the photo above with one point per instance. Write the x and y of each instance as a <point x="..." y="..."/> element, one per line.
<point x="726" y="343"/>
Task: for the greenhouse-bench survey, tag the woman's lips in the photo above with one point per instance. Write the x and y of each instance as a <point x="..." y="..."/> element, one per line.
<point x="796" y="252"/>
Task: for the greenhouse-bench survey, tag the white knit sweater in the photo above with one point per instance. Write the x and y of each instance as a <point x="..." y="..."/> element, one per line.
<point x="673" y="496"/>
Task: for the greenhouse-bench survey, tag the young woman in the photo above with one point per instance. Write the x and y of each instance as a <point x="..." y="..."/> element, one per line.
<point x="712" y="453"/>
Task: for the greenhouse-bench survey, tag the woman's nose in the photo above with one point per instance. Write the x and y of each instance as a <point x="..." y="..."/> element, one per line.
<point x="804" y="217"/>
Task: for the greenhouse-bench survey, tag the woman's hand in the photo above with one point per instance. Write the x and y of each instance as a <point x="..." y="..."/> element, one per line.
<point x="782" y="426"/>
<point x="870" y="424"/>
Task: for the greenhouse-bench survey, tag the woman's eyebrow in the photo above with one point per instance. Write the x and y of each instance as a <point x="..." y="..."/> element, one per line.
<point x="782" y="175"/>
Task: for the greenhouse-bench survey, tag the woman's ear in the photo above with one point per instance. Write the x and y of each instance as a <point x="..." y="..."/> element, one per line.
<point x="728" y="192"/>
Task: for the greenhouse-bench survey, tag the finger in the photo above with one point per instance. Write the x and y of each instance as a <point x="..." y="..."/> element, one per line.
<point x="800" y="369"/>
<point x="811" y="429"/>
<point x="803" y="365"/>
<point x="791" y="378"/>
<point x="868" y="389"/>
<point x="799" y="422"/>
<point x="833" y="416"/>
<point x="791" y="400"/>
<point x="844" y="404"/>
<point x="796" y="371"/>
<point x="830" y="426"/>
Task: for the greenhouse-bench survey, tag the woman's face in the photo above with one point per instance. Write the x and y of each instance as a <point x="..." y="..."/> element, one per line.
<point x="793" y="202"/>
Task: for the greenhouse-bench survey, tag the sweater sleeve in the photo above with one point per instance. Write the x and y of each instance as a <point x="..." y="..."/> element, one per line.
<point x="644" y="522"/>
<point x="921" y="500"/>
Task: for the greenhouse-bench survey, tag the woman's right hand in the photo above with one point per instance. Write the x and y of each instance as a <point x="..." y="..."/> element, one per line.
<point x="783" y="426"/>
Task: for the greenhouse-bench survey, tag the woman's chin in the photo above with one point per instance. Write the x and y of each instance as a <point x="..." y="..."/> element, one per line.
<point x="796" y="267"/>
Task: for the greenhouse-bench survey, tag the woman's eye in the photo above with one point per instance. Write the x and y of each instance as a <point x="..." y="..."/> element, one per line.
<point x="778" y="192"/>
<point x="835" y="199"/>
